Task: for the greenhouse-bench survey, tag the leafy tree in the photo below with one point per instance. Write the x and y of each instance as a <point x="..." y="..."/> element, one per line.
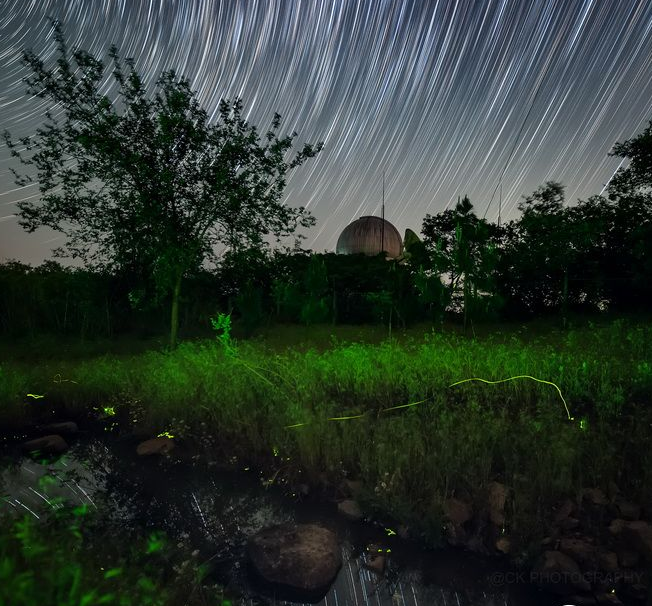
<point x="315" y="305"/>
<point x="459" y="243"/>
<point x="637" y="177"/>
<point x="149" y="185"/>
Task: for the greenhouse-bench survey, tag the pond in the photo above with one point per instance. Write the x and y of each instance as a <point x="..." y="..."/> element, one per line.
<point x="214" y="509"/>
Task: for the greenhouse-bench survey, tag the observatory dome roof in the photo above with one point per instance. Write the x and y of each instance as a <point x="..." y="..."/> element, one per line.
<point x="367" y="236"/>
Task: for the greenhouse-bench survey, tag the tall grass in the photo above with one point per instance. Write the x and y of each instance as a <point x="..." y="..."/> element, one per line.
<point x="410" y="459"/>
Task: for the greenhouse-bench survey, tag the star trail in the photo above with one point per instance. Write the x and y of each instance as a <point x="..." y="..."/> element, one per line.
<point x="447" y="97"/>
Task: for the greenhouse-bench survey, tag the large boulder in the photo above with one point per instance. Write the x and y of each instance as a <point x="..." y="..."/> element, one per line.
<point x="46" y="445"/>
<point x="295" y="562"/>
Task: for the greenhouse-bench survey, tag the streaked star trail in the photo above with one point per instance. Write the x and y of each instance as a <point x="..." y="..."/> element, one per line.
<point x="434" y="92"/>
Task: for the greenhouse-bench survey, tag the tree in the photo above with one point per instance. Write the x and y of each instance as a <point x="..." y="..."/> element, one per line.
<point x="637" y="177"/>
<point x="149" y="185"/>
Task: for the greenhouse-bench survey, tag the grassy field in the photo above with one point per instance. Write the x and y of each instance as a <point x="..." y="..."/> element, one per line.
<point x="283" y="396"/>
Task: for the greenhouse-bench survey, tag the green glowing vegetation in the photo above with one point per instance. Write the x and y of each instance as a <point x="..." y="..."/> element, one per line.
<point x="72" y="560"/>
<point x="468" y="434"/>
<point x="31" y="395"/>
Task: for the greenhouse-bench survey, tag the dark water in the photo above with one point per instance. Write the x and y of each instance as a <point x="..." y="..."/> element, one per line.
<point x="215" y="510"/>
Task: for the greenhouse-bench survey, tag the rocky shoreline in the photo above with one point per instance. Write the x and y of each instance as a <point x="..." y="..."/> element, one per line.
<point x="598" y="549"/>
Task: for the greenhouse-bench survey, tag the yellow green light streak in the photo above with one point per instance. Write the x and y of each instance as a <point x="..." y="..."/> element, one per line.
<point x="451" y="385"/>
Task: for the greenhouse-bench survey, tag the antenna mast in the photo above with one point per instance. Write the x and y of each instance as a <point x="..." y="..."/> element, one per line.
<point x="382" y="229"/>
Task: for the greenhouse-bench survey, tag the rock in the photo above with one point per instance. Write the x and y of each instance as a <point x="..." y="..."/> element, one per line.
<point x="458" y="512"/>
<point x="628" y="511"/>
<point x="628" y="558"/>
<point x="497" y="496"/>
<point x="350" y="509"/>
<point x="556" y="572"/>
<point x="607" y="599"/>
<point x="376" y="561"/>
<point x="638" y="536"/>
<point x="352" y="487"/>
<point x="568" y="524"/>
<point x="595" y="496"/>
<point x="403" y="531"/>
<point x="583" y="552"/>
<point x="564" y="511"/>
<point x="47" y="445"/>
<point x="154" y="446"/>
<point x="504" y="545"/>
<point x="607" y="561"/>
<point x="616" y="527"/>
<point x="62" y="428"/>
<point x="299" y="561"/>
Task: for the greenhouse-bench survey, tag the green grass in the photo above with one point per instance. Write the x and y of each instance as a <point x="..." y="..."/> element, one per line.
<point x="409" y="459"/>
<point x="72" y="560"/>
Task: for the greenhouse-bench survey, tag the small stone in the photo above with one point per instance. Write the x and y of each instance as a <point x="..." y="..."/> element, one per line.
<point x="583" y="552"/>
<point x="628" y="511"/>
<point x="52" y="444"/>
<point x="568" y="524"/>
<point x="504" y="545"/>
<point x="595" y="496"/>
<point x="607" y="561"/>
<point x="350" y="509"/>
<point x="376" y="563"/>
<point x="497" y="496"/>
<point x="154" y="446"/>
<point x="616" y="527"/>
<point x="458" y="512"/>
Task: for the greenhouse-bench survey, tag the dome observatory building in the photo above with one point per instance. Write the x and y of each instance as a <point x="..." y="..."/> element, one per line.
<point x="370" y="235"/>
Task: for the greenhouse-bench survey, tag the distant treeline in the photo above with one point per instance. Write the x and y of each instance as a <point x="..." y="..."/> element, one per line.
<point x="594" y="256"/>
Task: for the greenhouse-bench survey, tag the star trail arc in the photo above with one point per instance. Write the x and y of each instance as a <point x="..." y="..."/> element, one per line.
<point x="434" y="93"/>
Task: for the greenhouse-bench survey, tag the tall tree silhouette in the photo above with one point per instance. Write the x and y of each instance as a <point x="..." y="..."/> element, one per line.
<point x="149" y="183"/>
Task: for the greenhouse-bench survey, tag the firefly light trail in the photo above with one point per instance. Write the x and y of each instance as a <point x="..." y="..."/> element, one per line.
<point x="434" y="93"/>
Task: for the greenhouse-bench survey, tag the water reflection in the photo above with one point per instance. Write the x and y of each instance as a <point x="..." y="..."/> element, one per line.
<point x="215" y="511"/>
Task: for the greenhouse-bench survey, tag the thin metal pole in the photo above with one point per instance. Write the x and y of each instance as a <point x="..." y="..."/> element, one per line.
<point x="382" y="229"/>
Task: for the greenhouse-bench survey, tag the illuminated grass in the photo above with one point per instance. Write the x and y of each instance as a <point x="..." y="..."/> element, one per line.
<point x="463" y="433"/>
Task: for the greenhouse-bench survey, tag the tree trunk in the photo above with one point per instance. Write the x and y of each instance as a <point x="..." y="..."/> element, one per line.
<point x="174" y="316"/>
<point x="564" y="303"/>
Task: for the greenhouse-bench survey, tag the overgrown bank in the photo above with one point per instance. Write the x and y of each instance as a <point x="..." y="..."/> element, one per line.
<point x="273" y="409"/>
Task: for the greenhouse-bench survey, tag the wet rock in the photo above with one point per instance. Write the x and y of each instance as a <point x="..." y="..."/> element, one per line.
<point x="154" y="446"/>
<point x="556" y="572"/>
<point x="376" y="561"/>
<point x="299" y="562"/>
<point x="496" y="498"/>
<point x="51" y="444"/>
<point x="350" y="509"/>
<point x="628" y="510"/>
<point x="638" y="536"/>
<point x="64" y="428"/>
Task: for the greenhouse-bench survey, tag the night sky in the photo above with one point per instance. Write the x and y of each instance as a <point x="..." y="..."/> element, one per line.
<point x="436" y="93"/>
